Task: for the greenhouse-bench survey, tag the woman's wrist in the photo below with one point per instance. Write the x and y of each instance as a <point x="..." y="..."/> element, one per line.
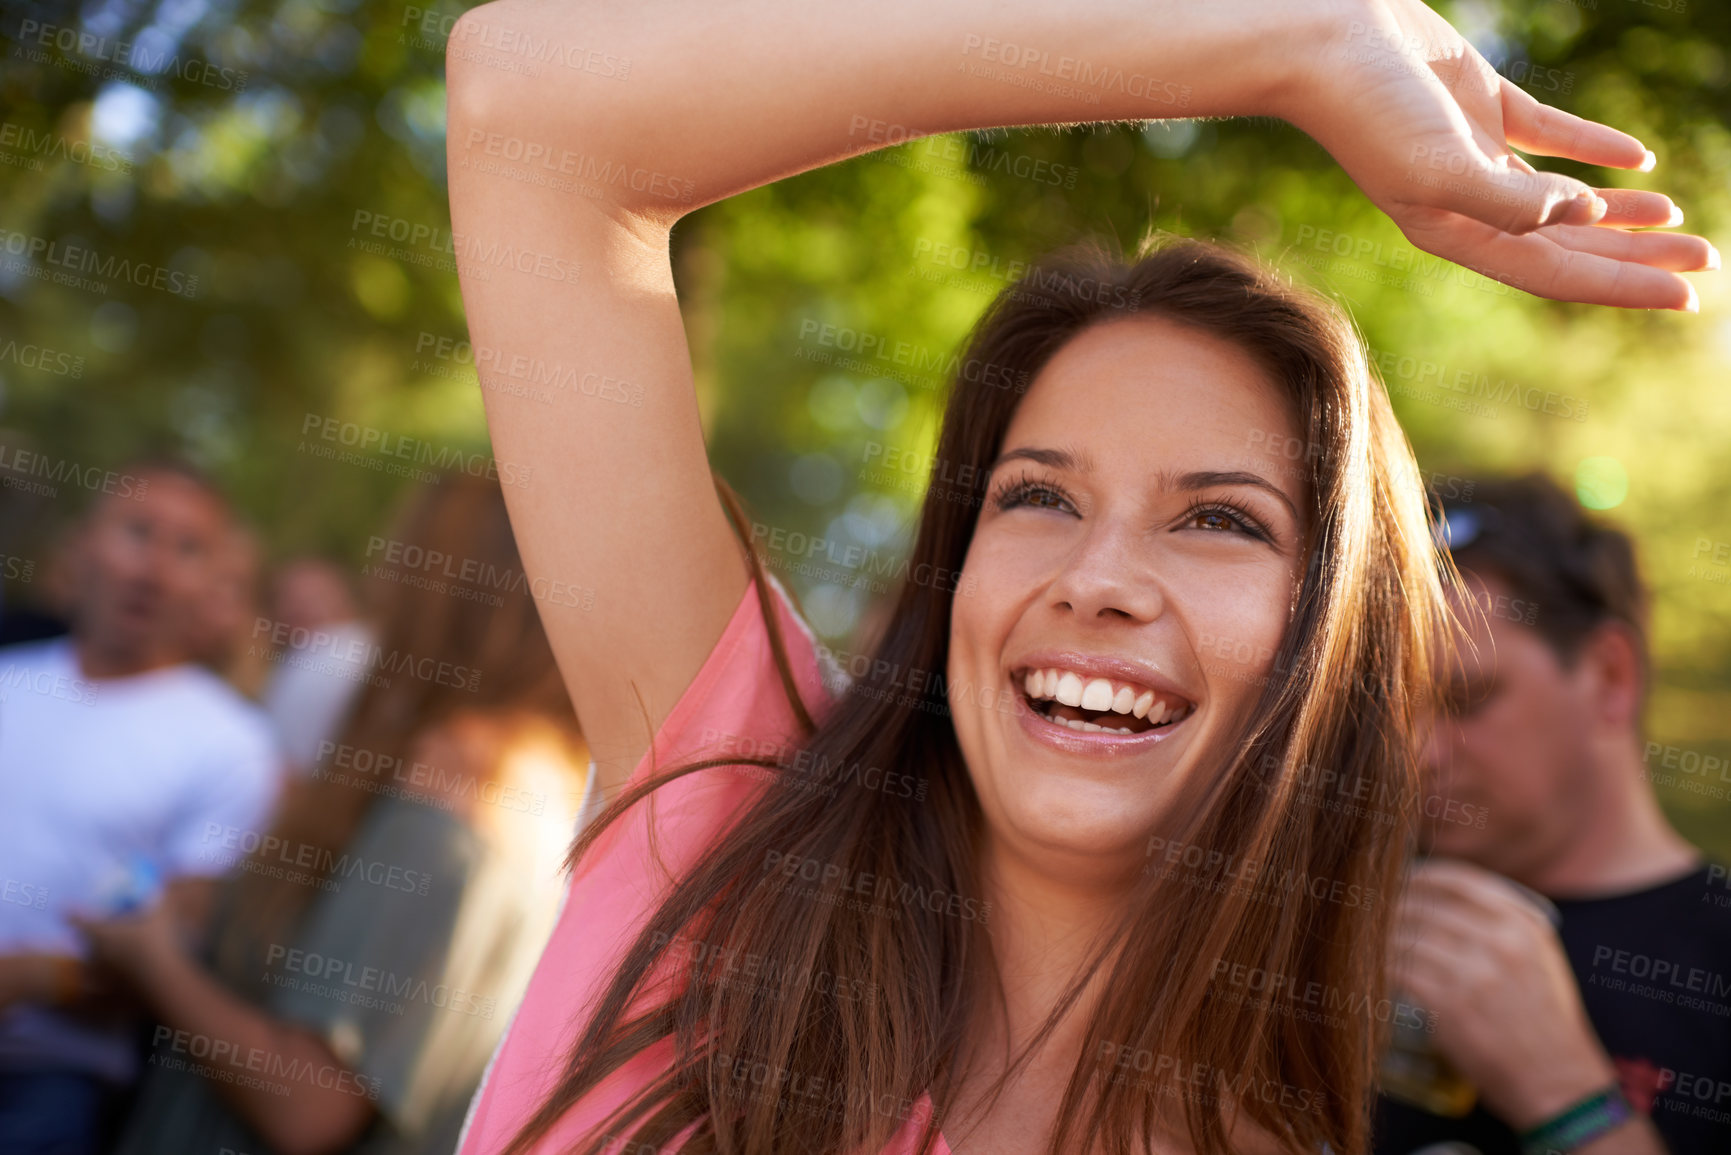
<point x="1276" y="49"/>
<point x="1228" y="58"/>
<point x="1300" y="50"/>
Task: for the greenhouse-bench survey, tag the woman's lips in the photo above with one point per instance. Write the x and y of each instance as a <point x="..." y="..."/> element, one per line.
<point x="1093" y="743"/>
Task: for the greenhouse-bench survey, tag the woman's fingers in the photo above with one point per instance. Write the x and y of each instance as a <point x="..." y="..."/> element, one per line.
<point x="1463" y="167"/>
<point x="1545" y="131"/>
<point x="1629" y="208"/>
<point x="1510" y="198"/>
<point x="1546" y="265"/>
<point x="1474" y="176"/>
<point x="1678" y="252"/>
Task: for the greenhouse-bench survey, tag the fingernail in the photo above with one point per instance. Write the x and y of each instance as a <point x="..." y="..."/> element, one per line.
<point x="1712" y="258"/>
<point x="1647" y="162"/>
<point x="1675" y="219"/>
<point x="1693" y="304"/>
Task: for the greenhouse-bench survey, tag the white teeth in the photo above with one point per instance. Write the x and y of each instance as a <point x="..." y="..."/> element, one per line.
<point x="1097" y="694"/>
<point x="1091" y="727"/>
<point x="1069" y="690"/>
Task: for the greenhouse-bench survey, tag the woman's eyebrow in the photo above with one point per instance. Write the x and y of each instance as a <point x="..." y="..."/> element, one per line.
<point x="1208" y="479"/>
<point x="1052" y="458"/>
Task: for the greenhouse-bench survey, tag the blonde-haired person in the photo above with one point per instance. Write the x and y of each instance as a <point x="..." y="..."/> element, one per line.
<point x="371" y="944"/>
<point x="977" y="900"/>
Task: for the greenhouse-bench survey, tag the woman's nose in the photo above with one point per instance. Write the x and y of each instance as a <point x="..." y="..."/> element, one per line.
<point x="1111" y="574"/>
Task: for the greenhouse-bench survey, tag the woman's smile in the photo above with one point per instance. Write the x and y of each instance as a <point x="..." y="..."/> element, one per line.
<point x="1096" y="704"/>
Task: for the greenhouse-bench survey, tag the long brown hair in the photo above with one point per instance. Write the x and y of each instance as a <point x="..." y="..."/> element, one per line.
<point x="445" y="645"/>
<point x="1347" y="680"/>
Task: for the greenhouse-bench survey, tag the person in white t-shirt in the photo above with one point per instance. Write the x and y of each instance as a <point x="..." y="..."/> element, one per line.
<point x="125" y="768"/>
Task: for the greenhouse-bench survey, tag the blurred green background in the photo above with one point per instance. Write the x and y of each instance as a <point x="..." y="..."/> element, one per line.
<point x="259" y="146"/>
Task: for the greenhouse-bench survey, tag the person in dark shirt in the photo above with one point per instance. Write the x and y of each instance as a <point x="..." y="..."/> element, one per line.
<point x="1605" y="969"/>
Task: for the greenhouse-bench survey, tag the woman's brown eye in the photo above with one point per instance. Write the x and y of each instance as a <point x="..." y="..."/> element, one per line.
<point x="1213" y="521"/>
<point x="1044" y="497"/>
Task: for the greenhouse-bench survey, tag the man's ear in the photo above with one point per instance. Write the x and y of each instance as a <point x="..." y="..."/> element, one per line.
<point x="1610" y="661"/>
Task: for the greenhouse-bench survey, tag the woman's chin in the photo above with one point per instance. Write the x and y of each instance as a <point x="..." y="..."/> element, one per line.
<point x="1069" y="830"/>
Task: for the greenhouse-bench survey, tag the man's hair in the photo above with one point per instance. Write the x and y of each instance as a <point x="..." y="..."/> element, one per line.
<point x="1532" y="536"/>
<point x="170" y="465"/>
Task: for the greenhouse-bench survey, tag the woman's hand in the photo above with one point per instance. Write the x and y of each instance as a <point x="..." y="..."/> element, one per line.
<point x="1428" y="130"/>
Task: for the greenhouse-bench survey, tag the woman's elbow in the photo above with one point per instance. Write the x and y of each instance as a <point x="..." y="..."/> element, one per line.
<point x="469" y="95"/>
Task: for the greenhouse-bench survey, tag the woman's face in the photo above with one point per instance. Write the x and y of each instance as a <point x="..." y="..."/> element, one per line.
<point x="1133" y="569"/>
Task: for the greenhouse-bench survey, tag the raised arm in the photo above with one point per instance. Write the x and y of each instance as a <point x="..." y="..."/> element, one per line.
<point x="580" y="132"/>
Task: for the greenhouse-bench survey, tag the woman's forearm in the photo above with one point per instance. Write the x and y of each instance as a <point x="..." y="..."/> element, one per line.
<point x="667" y="106"/>
<point x="282" y="1080"/>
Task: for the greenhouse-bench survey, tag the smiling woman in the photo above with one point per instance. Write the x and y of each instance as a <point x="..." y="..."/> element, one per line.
<point x="993" y="896"/>
<point x="1138" y="510"/>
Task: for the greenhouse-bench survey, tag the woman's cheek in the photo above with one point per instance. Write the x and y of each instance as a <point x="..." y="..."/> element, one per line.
<point x="971" y="624"/>
<point x="1238" y="631"/>
<point x="993" y="587"/>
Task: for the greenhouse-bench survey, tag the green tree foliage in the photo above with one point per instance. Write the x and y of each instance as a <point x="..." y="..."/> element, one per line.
<point x="289" y="155"/>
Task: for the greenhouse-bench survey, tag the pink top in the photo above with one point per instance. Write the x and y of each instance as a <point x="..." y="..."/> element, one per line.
<point x="737" y="700"/>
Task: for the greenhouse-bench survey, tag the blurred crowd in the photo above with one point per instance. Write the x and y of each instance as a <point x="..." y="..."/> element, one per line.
<point x="281" y="842"/>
